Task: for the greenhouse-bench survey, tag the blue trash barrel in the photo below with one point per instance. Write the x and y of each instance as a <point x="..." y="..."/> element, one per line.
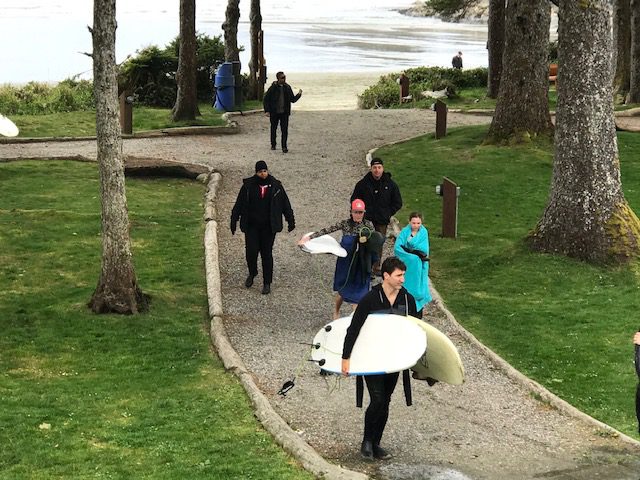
<point x="224" y="85"/>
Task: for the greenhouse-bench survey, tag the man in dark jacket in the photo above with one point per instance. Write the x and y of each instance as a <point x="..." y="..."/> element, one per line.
<point x="382" y="197"/>
<point x="261" y="203"/>
<point x="277" y="105"/>
<point x="388" y="297"/>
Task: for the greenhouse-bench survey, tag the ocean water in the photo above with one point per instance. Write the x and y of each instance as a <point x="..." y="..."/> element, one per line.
<point x="47" y="40"/>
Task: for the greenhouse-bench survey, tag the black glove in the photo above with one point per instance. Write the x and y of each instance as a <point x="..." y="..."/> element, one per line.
<point x="291" y="226"/>
<point x="233" y="227"/>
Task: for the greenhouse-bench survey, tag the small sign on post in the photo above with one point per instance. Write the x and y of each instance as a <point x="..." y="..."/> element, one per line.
<point x="449" y="192"/>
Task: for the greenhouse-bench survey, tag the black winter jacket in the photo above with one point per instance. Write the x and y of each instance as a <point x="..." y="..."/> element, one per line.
<point x="270" y="101"/>
<point x="279" y="205"/>
<point x="381" y="197"/>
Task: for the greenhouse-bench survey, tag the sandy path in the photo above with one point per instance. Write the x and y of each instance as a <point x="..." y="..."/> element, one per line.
<point x="490" y="428"/>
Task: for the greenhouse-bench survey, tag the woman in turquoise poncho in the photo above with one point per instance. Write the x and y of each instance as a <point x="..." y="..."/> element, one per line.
<point x="412" y="247"/>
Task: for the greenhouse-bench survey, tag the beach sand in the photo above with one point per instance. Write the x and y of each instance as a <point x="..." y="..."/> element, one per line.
<point x="331" y="90"/>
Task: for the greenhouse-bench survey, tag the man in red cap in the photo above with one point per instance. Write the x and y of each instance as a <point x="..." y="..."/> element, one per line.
<point x="382" y="197"/>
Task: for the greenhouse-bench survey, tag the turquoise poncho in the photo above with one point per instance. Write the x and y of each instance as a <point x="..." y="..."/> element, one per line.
<point x="417" y="274"/>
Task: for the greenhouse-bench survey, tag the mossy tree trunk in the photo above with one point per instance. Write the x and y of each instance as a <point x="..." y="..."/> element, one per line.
<point x="230" y="27"/>
<point x="255" y="19"/>
<point x="522" y="108"/>
<point x="495" y="45"/>
<point x="117" y="290"/>
<point x="587" y="216"/>
<point x="622" y="47"/>
<point x="634" y="80"/>
<point x="186" y="106"/>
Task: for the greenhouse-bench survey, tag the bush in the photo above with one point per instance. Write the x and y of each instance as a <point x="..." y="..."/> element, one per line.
<point x="36" y="98"/>
<point x="151" y="74"/>
<point x="385" y="93"/>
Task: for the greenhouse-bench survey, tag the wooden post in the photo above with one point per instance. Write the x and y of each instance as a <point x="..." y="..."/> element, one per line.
<point x="126" y="112"/>
<point x="449" y="192"/>
<point x="441" y="119"/>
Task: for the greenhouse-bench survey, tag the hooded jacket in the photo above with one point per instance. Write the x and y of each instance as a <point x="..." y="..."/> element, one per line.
<point x="381" y="197"/>
<point x="279" y="204"/>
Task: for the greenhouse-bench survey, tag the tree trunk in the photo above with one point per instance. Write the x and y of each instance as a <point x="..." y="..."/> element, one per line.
<point x="622" y="50"/>
<point x="522" y="108"/>
<point x="230" y="27"/>
<point x="117" y="290"/>
<point x="186" y="107"/>
<point x="587" y="216"/>
<point x="634" y="81"/>
<point x="495" y="45"/>
<point x="255" y="18"/>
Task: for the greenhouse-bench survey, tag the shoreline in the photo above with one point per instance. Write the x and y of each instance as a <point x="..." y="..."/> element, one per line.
<point x="330" y="90"/>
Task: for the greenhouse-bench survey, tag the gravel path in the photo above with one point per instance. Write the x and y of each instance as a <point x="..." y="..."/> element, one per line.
<point x="489" y="428"/>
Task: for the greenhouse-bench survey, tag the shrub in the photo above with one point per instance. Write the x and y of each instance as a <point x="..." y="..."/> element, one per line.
<point x="385" y="93"/>
<point x="36" y="98"/>
<point x="151" y="74"/>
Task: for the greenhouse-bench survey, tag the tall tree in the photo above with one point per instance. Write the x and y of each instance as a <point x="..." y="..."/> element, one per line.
<point x="117" y="289"/>
<point x="634" y="80"/>
<point x="522" y="108"/>
<point x="230" y="27"/>
<point x="255" y="18"/>
<point x="495" y="45"/>
<point x="587" y="216"/>
<point x="622" y="47"/>
<point x="186" y="106"/>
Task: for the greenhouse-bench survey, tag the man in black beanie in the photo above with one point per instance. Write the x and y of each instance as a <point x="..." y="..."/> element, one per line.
<point x="261" y="203"/>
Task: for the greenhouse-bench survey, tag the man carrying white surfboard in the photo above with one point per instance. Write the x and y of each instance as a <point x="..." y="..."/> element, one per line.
<point x="388" y="297"/>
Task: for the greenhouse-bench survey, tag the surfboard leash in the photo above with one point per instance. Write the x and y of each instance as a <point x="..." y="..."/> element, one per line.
<point x="289" y="384"/>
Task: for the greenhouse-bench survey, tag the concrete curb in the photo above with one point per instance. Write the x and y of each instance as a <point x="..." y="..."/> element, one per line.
<point x="538" y="391"/>
<point x="284" y="435"/>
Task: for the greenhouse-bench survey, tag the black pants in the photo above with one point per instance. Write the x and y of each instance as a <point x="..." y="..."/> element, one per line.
<point x="380" y="389"/>
<point x="283" y="118"/>
<point x="260" y="241"/>
<point x="382" y="229"/>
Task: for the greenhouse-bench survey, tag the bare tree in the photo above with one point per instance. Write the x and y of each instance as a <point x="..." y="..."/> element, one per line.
<point x="587" y="216"/>
<point x="230" y="27"/>
<point x="117" y="290"/>
<point x="634" y="80"/>
<point x="522" y="108"/>
<point x="622" y="50"/>
<point x="255" y="18"/>
<point x="186" y="106"/>
<point x="495" y="45"/>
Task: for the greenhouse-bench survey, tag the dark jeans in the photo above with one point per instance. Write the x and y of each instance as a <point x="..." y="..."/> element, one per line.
<point x="283" y="118"/>
<point x="380" y="389"/>
<point x="260" y="241"/>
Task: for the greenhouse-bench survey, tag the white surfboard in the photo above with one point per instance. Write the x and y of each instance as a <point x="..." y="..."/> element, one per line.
<point x="7" y="127"/>
<point x="441" y="361"/>
<point x="387" y="343"/>
<point x="323" y="244"/>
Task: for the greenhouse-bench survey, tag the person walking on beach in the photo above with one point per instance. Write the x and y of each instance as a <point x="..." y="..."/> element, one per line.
<point x="277" y="105"/>
<point x="456" y="61"/>
<point x="388" y="297"/>
<point x="352" y="277"/>
<point x="260" y="206"/>
<point x="382" y="197"/>
<point x="412" y="247"/>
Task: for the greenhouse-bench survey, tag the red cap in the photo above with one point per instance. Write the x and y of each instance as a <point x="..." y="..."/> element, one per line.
<point x="357" y="204"/>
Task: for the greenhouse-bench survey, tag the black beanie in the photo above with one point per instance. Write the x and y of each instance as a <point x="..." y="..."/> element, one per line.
<point x="261" y="165"/>
<point x="376" y="161"/>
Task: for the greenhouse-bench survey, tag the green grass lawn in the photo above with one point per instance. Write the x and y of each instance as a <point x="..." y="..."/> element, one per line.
<point x="566" y="324"/>
<point x="106" y="396"/>
<point x="78" y="124"/>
